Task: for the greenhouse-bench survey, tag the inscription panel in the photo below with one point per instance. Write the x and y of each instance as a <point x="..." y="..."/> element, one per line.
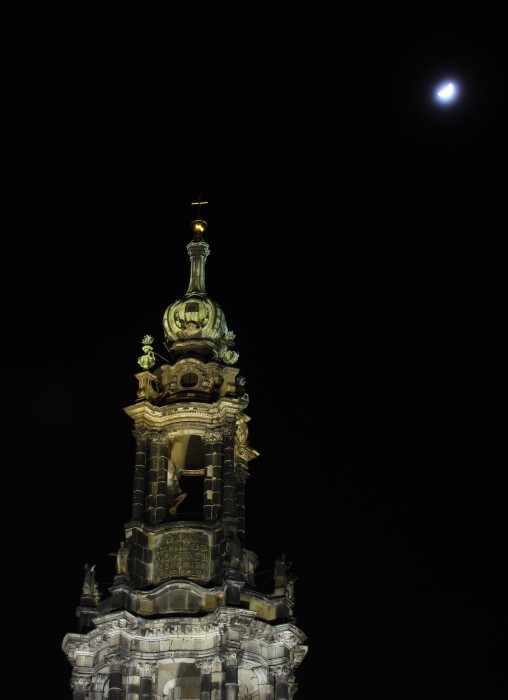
<point x="182" y="555"/>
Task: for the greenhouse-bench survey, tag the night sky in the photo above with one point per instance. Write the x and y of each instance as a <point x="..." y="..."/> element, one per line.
<point x="357" y="235"/>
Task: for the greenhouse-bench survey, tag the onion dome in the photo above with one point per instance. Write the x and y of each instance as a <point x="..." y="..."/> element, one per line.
<point x="195" y="324"/>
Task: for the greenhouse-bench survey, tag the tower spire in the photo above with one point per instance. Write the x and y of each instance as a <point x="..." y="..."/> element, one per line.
<point x="198" y="250"/>
<point x="184" y="617"/>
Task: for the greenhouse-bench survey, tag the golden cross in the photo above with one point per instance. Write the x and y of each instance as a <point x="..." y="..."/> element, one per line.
<point x="198" y="204"/>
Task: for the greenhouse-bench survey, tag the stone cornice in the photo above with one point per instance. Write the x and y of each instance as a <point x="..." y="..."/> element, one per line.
<point x="198" y="416"/>
<point x="226" y="629"/>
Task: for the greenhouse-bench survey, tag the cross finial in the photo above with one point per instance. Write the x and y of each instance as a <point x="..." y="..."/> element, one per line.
<point x="198" y="204"/>
<point x="198" y="225"/>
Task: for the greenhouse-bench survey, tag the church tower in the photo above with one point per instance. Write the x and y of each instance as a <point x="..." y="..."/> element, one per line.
<point x="183" y="617"/>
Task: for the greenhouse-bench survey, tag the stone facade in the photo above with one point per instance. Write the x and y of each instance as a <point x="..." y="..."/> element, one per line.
<point x="228" y="653"/>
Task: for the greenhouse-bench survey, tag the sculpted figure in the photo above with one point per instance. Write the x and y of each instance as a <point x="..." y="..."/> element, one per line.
<point x="90" y="588"/>
<point x="122" y="556"/>
<point x="281" y="570"/>
<point x="89" y="582"/>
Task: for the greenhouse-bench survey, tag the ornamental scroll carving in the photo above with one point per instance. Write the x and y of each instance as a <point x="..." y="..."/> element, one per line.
<point x="182" y="554"/>
<point x="242" y="434"/>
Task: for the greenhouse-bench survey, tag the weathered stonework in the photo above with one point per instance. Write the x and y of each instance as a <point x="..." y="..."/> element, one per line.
<point x="177" y="652"/>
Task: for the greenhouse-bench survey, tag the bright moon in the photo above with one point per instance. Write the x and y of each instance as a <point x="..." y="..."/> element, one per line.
<point x="446" y="93"/>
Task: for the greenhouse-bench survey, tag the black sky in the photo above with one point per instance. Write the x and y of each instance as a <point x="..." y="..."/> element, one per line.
<point x="357" y="249"/>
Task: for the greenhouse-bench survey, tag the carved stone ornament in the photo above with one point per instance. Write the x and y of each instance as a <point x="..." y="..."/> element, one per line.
<point x="192" y="327"/>
<point x="80" y="682"/>
<point x="116" y="662"/>
<point x="229" y="356"/>
<point x="90" y="588"/>
<point x="205" y="665"/>
<point x="122" y="558"/>
<point x="159" y="438"/>
<point x="99" y="682"/>
<point x="210" y="436"/>
<point x="146" y="669"/>
<point x="96" y="641"/>
<point x="231" y="657"/>
<point x="242" y="433"/>
<point x="293" y="687"/>
<point x="141" y="434"/>
<point x="223" y="350"/>
<point x="298" y="654"/>
<point x="147" y="360"/>
<point x="229" y="430"/>
<point x="281" y="673"/>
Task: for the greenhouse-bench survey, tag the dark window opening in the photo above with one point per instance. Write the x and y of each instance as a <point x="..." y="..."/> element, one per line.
<point x="189" y="379"/>
<point x="191" y="508"/>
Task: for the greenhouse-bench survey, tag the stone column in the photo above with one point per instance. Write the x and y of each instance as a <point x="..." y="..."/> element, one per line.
<point x="228" y="494"/>
<point x="138" y="491"/>
<point x="115" y="678"/>
<point x="230" y="689"/>
<point x="205" y="666"/>
<point x="281" y="674"/>
<point x="146" y="671"/>
<point x="80" y="685"/>
<point x="212" y="485"/>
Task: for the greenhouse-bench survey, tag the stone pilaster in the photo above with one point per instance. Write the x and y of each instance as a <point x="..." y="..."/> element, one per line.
<point x="97" y="688"/>
<point x="228" y="495"/>
<point x="205" y="667"/>
<point x="138" y="491"/>
<point x="80" y="685"/>
<point x="157" y="477"/>
<point x="230" y="689"/>
<point x="212" y="487"/>
<point x="266" y="685"/>
<point x="146" y="674"/>
<point x="241" y="473"/>
<point x="281" y="676"/>
<point x="116" y="664"/>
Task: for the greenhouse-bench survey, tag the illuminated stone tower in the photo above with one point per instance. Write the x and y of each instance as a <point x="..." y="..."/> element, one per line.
<point x="183" y="617"/>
